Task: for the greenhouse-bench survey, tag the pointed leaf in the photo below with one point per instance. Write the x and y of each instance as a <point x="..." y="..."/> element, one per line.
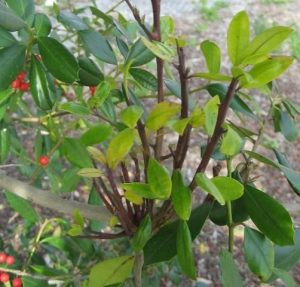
<point x="131" y="115"/>
<point x="71" y="20"/>
<point x="96" y="134"/>
<point x="139" y="54"/>
<point x="42" y="25"/>
<point x="143" y="234"/>
<point x="89" y="172"/>
<point x="144" y="78"/>
<point x="6" y="39"/>
<point x="212" y="55"/>
<point x="211" y="113"/>
<point x="9" y="20"/>
<point x="288" y="127"/>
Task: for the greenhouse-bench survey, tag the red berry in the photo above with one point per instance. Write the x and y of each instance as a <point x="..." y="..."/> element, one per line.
<point x="3" y="257"/>
<point x="24" y="87"/>
<point x="92" y="90"/>
<point x="15" y="84"/>
<point x="44" y="160"/>
<point x="4" y="277"/>
<point x="21" y="76"/>
<point x="17" y="282"/>
<point x="10" y="260"/>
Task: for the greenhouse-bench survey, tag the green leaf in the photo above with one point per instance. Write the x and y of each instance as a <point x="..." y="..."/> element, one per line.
<point x="160" y="114"/>
<point x="41" y="86"/>
<point x="9" y="20"/>
<point x="89" y="73"/>
<point x="23" y="8"/>
<point x="21" y="206"/>
<point x="185" y="251"/>
<point x="133" y="197"/>
<point x="76" y="153"/>
<point x="259" y="253"/>
<point x="71" y="20"/>
<point x="267" y="71"/>
<point x="30" y="282"/>
<point x="4" y="143"/>
<point x="181" y="196"/>
<point x="131" y="115"/>
<point x="212" y="55"/>
<point x="269" y="216"/>
<point x="213" y="77"/>
<point x="75" y="109"/>
<point x="211" y="113"/>
<point x="231" y="143"/>
<point x="288" y="127"/>
<point x="96" y="134"/>
<point x="159" y="49"/>
<point x="119" y="147"/>
<point x="11" y="62"/>
<point x="144" y="78"/>
<point x="101" y="94"/>
<point x="6" y="39"/>
<point x="197" y="118"/>
<point x="143" y="234"/>
<point x="230" y="275"/>
<point x="139" y="54"/>
<point x="159" y="179"/>
<point x="42" y="25"/>
<point x="58" y="59"/>
<point x="77" y="218"/>
<point x="174" y="87"/>
<point x="139" y="189"/>
<point x="286" y="277"/>
<point x="268" y="41"/>
<point x="230" y="188"/>
<point x="238" y="36"/>
<point x="162" y="246"/>
<point x="97" y="45"/>
<point x="111" y="271"/>
<point x="180" y="125"/>
<point x="89" y="172"/>
<point x="207" y="185"/>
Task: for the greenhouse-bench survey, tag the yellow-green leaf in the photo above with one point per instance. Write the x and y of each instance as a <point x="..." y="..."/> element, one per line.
<point x="230" y="188"/>
<point x="131" y="115"/>
<point x="89" y="172"/>
<point x="231" y="143"/>
<point x="211" y="112"/>
<point x="96" y="154"/>
<point x="212" y="55"/>
<point x="133" y="197"/>
<point x="197" y="118"/>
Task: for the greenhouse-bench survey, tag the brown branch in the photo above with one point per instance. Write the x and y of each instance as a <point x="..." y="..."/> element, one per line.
<point x="107" y="204"/>
<point x="102" y="235"/>
<point x="218" y="131"/>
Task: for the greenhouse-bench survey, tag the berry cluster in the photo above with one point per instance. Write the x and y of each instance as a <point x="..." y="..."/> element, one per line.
<point x="44" y="160"/>
<point x="8" y="260"/>
<point x="92" y="90"/>
<point x="20" y="83"/>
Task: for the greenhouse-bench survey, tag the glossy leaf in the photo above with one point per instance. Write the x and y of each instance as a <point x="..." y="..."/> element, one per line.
<point x="96" y="134"/>
<point x="111" y="271"/>
<point x="268" y="40"/>
<point x="230" y="188"/>
<point x="230" y="276"/>
<point x="267" y="71"/>
<point x="144" y="78"/>
<point x="159" y="49"/>
<point x="23" y="8"/>
<point x="42" y="25"/>
<point x="97" y="45"/>
<point x="211" y="112"/>
<point x="139" y="54"/>
<point x="133" y="197"/>
<point x="181" y="196"/>
<point x="184" y="250"/>
<point x="269" y="216"/>
<point x="162" y="246"/>
<point x="11" y="62"/>
<point x="41" y="86"/>
<point x="160" y="114"/>
<point x="238" y="35"/>
<point x="119" y="147"/>
<point x="21" y="206"/>
<point x="89" y="73"/>
<point x="89" y="172"/>
<point x="143" y="234"/>
<point x="58" y="59"/>
<point x="213" y="77"/>
<point x="212" y="55"/>
<point x="159" y="179"/>
<point x="131" y="115"/>
<point x="75" y="109"/>
<point x="288" y="126"/>
<point x="140" y="189"/>
<point x="6" y="39"/>
<point x="259" y="253"/>
<point x="9" y="20"/>
<point x="231" y="143"/>
<point x="71" y="20"/>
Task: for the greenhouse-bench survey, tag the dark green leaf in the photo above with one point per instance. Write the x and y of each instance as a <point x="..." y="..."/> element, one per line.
<point x="259" y="253"/>
<point x="139" y="54"/>
<point x="122" y="47"/>
<point x="286" y="277"/>
<point x="288" y="127"/>
<point x="42" y="25"/>
<point x="89" y="73"/>
<point x="11" y="62"/>
<point x="4" y="143"/>
<point x="230" y="275"/>
<point x="22" y="206"/>
<point x="41" y="86"/>
<point x="6" y="39"/>
<point x="31" y="282"/>
<point x="184" y="250"/>
<point x="174" y="87"/>
<point x="97" y="45"/>
<point x="269" y="216"/>
<point x="144" y="78"/>
<point x="58" y="59"/>
<point x="96" y="134"/>
<point x="23" y="8"/>
<point x="143" y="234"/>
<point x="162" y="246"/>
<point x="72" y="21"/>
<point x="9" y="20"/>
